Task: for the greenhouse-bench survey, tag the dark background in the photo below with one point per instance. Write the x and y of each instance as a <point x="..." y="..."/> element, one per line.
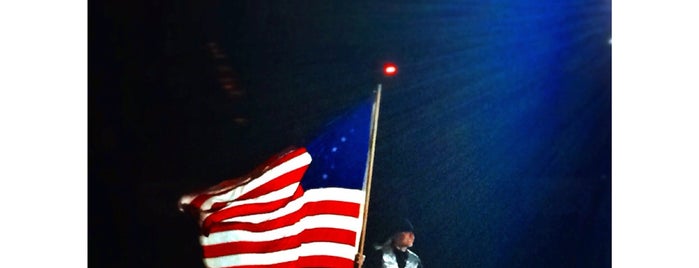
<point x="494" y="138"/>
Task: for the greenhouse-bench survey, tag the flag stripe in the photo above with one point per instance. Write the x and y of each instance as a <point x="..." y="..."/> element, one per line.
<point x="332" y="235"/>
<point x="332" y="250"/>
<point x="306" y="261"/>
<point x="276" y="265"/>
<point x="324" y="261"/>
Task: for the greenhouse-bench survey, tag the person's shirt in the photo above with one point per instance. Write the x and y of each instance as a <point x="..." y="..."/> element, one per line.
<point x="401" y="257"/>
<point x="390" y="257"/>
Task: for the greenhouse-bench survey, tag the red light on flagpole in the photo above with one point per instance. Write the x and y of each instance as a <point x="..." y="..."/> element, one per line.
<point x="390" y="69"/>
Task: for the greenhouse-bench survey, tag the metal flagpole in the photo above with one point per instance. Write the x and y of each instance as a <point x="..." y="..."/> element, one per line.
<point x="370" y="165"/>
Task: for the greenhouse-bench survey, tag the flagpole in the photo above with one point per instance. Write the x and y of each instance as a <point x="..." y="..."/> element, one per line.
<point x="370" y="165"/>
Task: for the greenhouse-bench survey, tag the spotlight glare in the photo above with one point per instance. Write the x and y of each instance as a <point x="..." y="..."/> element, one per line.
<point x="390" y="69"/>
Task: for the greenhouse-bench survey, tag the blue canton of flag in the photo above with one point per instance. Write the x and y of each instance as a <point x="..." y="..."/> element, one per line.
<point x="340" y="153"/>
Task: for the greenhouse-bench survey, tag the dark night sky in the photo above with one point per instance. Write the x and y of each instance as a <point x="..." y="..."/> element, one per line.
<point x="494" y="138"/>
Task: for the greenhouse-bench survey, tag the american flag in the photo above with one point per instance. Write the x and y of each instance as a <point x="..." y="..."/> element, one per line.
<point x="302" y="208"/>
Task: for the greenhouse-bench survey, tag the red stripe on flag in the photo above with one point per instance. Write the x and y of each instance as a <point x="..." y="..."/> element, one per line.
<point x="276" y="265"/>
<point x="309" y="209"/>
<point x="307" y="261"/>
<point x="350" y="209"/>
<point x="332" y="235"/>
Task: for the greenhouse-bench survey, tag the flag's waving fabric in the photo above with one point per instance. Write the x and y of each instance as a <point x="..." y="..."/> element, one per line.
<point x="302" y="208"/>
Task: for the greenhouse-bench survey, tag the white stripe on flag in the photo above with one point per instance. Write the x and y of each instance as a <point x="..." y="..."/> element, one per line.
<point x="310" y="249"/>
<point x="328" y="249"/>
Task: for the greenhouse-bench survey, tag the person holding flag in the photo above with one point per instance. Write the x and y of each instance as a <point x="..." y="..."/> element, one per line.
<point x="394" y="252"/>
